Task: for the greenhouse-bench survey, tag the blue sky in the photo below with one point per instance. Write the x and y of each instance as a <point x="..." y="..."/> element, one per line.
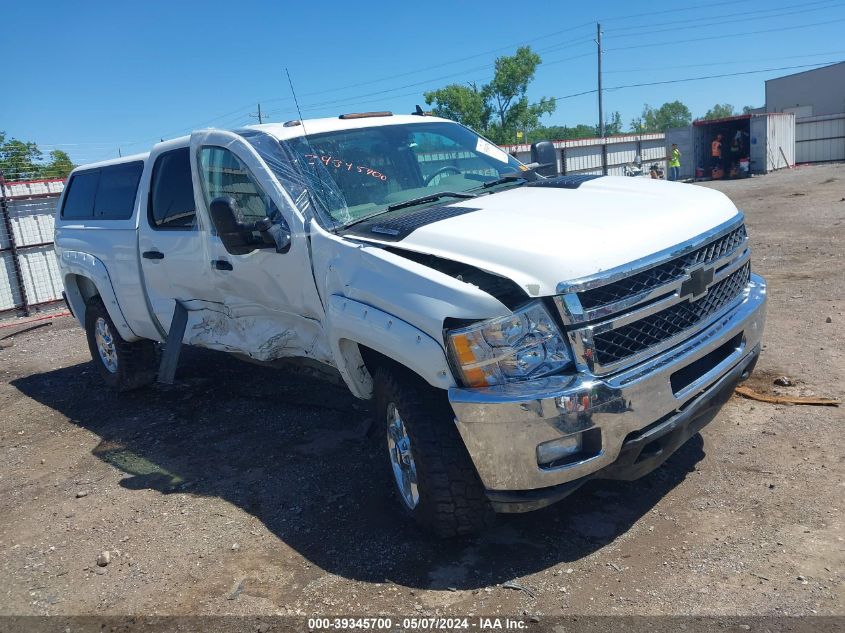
<point x="91" y="77"/>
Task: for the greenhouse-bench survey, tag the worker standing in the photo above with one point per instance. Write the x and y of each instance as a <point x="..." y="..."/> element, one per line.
<point x="675" y="163"/>
<point x="716" y="151"/>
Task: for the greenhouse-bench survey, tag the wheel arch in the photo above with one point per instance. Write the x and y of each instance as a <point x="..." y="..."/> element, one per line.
<point x="364" y="338"/>
<point x="86" y="277"/>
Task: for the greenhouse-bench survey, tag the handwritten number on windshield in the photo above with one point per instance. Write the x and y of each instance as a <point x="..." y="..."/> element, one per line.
<point x="341" y="164"/>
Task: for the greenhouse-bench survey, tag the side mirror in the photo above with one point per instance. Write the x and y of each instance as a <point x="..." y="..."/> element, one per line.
<point x="235" y="235"/>
<point x="239" y="237"/>
<point x="544" y="153"/>
<point x="275" y="232"/>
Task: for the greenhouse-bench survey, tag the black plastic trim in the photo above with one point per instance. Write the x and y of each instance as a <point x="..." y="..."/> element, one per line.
<point x="395" y="227"/>
<point x="505" y="290"/>
<point x="564" y="182"/>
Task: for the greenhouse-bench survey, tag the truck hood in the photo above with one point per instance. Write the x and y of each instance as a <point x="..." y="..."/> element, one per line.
<point x="542" y="236"/>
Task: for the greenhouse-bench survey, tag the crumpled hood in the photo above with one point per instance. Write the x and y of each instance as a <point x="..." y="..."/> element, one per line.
<point x="542" y="236"/>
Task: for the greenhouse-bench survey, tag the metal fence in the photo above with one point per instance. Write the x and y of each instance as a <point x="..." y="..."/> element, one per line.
<point x="29" y="271"/>
<point x="608" y="155"/>
<point x="820" y="138"/>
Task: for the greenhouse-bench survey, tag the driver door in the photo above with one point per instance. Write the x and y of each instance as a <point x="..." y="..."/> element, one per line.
<point x="271" y="308"/>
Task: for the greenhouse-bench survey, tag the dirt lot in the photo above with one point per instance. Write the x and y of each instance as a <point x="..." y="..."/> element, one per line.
<point x="243" y="490"/>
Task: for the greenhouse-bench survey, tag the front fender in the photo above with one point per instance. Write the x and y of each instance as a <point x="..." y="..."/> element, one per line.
<point x="89" y="267"/>
<point x="351" y="323"/>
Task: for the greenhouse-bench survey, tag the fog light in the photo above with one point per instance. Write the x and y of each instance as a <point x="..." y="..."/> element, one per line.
<point x="560" y="448"/>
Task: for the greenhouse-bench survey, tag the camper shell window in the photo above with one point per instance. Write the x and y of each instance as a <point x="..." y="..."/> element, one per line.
<point x="107" y="193"/>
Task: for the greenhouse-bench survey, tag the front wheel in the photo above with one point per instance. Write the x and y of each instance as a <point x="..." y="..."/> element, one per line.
<point x="435" y="480"/>
<point x="121" y="364"/>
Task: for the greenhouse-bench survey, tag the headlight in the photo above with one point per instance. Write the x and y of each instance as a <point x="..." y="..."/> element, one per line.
<point x="526" y="344"/>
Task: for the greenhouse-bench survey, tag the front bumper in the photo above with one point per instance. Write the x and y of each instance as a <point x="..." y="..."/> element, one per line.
<point x="668" y="398"/>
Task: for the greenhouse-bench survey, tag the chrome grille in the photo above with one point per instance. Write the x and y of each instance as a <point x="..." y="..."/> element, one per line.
<point x="618" y="344"/>
<point x="662" y="274"/>
<point x="628" y="314"/>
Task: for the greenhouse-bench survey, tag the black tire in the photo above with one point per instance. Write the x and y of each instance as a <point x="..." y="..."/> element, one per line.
<point x="134" y="363"/>
<point x="451" y="499"/>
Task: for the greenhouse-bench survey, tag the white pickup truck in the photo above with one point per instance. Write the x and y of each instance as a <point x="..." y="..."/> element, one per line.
<point x="519" y="335"/>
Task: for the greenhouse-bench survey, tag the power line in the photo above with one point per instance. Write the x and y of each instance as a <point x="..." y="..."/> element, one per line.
<point x="423" y="82"/>
<point x="663" y="11"/>
<point x="724" y="63"/>
<point x="551" y="48"/>
<point x="719" y="37"/>
<point x="686" y="79"/>
<point x="357" y="98"/>
<point x="632" y="31"/>
<point x="243" y="112"/>
<point x="449" y="63"/>
<point x="701" y="25"/>
<point x="737" y="74"/>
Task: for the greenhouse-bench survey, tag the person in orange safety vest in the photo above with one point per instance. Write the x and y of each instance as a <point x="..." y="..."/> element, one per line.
<point x="716" y="151"/>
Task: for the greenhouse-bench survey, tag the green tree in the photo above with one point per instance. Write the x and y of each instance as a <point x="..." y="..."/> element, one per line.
<point x="613" y="125"/>
<point x="19" y="160"/>
<point x="671" y="114"/>
<point x="720" y="111"/>
<point x="748" y="109"/>
<point x="565" y="133"/>
<point x="464" y="104"/>
<point x="498" y="109"/>
<point x="60" y="165"/>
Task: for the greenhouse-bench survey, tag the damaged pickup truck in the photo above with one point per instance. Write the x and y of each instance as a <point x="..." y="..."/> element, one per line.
<point x="519" y="335"/>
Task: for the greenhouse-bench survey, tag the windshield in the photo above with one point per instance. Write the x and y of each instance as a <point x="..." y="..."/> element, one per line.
<point x="379" y="167"/>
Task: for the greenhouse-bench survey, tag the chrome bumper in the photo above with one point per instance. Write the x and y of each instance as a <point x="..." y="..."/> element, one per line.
<point x="503" y="425"/>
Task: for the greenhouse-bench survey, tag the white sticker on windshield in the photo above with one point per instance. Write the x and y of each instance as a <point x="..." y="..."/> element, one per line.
<point x="491" y="150"/>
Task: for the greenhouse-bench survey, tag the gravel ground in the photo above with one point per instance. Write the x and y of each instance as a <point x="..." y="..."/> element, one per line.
<point x="245" y="490"/>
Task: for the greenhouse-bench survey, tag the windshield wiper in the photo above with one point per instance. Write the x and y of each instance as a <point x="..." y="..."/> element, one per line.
<point x="527" y="175"/>
<point x="503" y="180"/>
<point x="429" y="198"/>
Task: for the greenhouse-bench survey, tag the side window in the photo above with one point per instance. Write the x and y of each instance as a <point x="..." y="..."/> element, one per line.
<point x="81" y="192"/>
<point x="223" y="174"/>
<point x="116" y="193"/>
<point x="172" y="203"/>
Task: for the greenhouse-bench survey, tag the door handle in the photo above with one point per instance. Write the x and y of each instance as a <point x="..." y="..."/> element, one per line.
<point x="152" y="255"/>
<point x="221" y="264"/>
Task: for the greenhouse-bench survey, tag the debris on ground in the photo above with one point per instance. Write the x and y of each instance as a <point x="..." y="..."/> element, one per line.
<point x="748" y="392"/>
<point x="103" y="558"/>
<point x="517" y="587"/>
<point x="783" y="381"/>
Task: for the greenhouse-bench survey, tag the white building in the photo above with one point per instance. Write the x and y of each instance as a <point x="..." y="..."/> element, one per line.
<point x="817" y="98"/>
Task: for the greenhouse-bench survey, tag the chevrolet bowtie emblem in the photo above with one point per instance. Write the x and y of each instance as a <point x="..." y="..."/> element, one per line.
<point x="696" y="286"/>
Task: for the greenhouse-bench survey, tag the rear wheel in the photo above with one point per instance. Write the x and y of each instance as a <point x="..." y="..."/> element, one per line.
<point x="435" y="480"/>
<point x="121" y="364"/>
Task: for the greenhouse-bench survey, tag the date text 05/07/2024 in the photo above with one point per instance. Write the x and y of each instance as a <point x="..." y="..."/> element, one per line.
<point x="480" y="623"/>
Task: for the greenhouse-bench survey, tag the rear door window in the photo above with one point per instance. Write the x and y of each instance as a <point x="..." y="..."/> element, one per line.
<point x="172" y="203"/>
<point x="116" y="192"/>
<point x="82" y="190"/>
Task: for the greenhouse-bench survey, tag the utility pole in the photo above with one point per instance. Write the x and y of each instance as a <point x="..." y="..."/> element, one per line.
<point x="258" y="116"/>
<point x="601" y="107"/>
